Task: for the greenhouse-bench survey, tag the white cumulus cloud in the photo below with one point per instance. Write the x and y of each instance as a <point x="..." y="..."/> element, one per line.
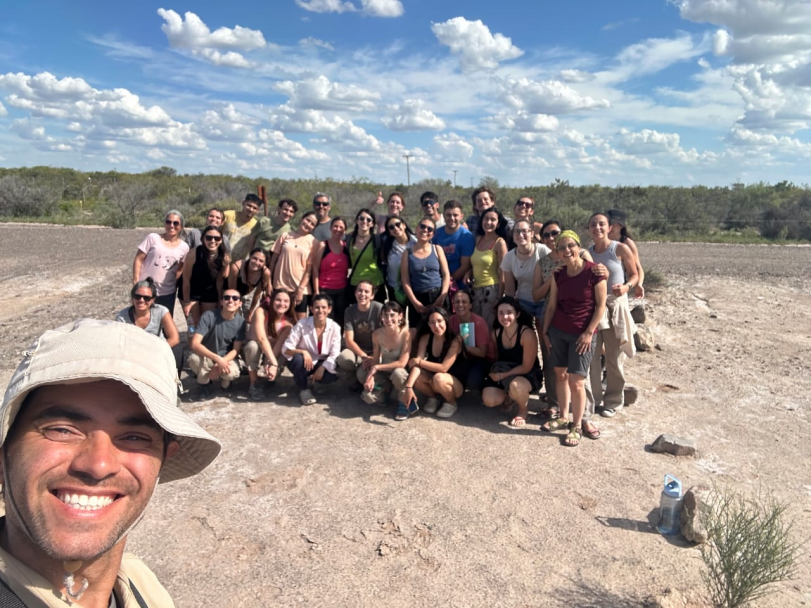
<point x="371" y="8"/>
<point x="326" y="6"/>
<point x="322" y="94"/>
<point x="451" y="147"/>
<point x="412" y="115"/>
<point x="3" y="111"/>
<point x="28" y="129"/>
<point x="382" y="8"/>
<point x="473" y="43"/>
<point x="315" y="42"/>
<point x="546" y="97"/>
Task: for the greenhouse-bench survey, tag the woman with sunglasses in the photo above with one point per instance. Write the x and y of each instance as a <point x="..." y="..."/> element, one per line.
<point x="488" y="281"/>
<point x="331" y="269"/>
<point x="364" y="257"/>
<point x="396" y="241"/>
<point x="272" y="322"/>
<point x="152" y="317"/>
<point x="204" y="275"/>
<point x="251" y="278"/>
<point x="439" y="367"/>
<point x="292" y="263"/>
<point x="424" y="274"/>
<point x="573" y="311"/>
<point x="161" y="256"/>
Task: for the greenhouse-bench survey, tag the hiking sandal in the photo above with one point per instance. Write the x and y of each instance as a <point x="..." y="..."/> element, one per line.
<point x="573" y="438"/>
<point x="555" y="425"/>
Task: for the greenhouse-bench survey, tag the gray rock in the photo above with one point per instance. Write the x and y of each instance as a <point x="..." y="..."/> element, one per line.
<point x="631" y="394"/>
<point x="638" y="314"/>
<point x="696" y="500"/>
<point x="671" y="444"/>
<point x="643" y="338"/>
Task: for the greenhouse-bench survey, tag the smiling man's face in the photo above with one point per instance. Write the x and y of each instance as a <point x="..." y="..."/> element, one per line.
<point x="82" y="461"/>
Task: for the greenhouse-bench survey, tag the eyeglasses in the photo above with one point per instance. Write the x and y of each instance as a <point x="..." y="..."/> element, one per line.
<point x="523" y="232"/>
<point x="320" y="204"/>
<point x="523" y="204"/>
<point x="140" y="296"/>
<point x="394" y="225"/>
<point x="547" y="235"/>
<point x="231" y="298"/>
<point x="426" y="228"/>
<point x="213" y="239"/>
<point x="174" y="223"/>
<point x="428" y="202"/>
<point x="364" y="218"/>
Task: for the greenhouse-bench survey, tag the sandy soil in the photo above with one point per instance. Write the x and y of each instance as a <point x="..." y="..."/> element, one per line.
<point x="338" y="505"/>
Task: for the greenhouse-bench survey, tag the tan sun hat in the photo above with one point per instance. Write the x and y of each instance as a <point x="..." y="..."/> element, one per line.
<point x="89" y="350"/>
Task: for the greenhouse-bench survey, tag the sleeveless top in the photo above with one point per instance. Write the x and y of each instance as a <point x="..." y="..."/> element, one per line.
<point x="609" y="258"/>
<point x="485" y="266"/>
<point x="334" y="270"/>
<point x="424" y="273"/>
<point x="390" y="356"/>
<point x="244" y="286"/>
<point x="294" y="252"/>
<point x="514" y="354"/>
<point x="156" y="314"/>
<point x="459" y="368"/>
<point x="365" y="263"/>
<point x="203" y="283"/>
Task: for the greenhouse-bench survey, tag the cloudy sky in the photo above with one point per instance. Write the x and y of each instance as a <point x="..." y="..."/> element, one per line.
<point x="675" y="92"/>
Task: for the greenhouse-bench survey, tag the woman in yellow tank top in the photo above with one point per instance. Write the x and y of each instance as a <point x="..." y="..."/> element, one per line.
<point x="488" y="281"/>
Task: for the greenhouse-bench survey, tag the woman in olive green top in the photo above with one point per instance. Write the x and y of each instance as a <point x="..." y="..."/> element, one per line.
<point x="364" y="256"/>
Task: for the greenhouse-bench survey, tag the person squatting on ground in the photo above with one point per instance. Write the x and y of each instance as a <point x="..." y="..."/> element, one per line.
<point x="78" y="474"/>
<point x="312" y="347"/>
<point x="478" y="346"/>
<point x="617" y="334"/>
<point x="516" y="372"/>
<point x="161" y="257"/>
<point x="574" y="309"/>
<point x="391" y="348"/>
<point x="152" y="318"/>
<point x="272" y="322"/>
<point x="360" y="321"/>
<point x="216" y="342"/>
<point x="439" y="366"/>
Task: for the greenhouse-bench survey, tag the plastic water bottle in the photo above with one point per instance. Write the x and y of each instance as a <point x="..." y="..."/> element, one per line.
<point x="190" y="325"/>
<point x="670" y="507"/>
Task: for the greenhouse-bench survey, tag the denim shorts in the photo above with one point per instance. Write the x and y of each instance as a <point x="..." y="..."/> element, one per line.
<point x="534" y="308"/>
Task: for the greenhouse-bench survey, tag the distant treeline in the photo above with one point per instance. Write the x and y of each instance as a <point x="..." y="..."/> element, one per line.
<point x="775" y="212"/>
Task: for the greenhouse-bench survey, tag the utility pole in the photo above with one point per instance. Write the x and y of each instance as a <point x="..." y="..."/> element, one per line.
<point x="408" y="167"/>
<point x="471" y="182"/>
<point x="454" y="178"/>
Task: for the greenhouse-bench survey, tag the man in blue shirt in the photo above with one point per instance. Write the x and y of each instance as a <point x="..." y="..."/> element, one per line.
<point x="456" y="240"/>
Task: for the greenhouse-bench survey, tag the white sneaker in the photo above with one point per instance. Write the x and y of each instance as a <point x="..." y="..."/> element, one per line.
<point x="307" y="397"/>
<point x="447" y="410"/>
<point x="431" y="406"/>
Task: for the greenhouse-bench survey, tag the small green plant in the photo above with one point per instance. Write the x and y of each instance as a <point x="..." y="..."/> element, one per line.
<point x="654" y="279"/>
<point x="750" y="547"/>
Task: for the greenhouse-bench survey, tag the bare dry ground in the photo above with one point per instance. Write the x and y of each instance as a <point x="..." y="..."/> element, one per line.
<point x="338" y="505"/>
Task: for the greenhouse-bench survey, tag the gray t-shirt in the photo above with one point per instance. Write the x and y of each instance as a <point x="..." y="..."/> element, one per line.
<point x="156" y="314"/>
<point x="363" y="324"/>
<point x="322" y="232"/>
<point x="524" y="271"/>
<point x="220" y="334"/>
<point x="194" y="237"/>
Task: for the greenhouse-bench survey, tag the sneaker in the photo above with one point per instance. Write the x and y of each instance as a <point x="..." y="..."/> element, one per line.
<point x="610" y="412"/>
<point x="206" y="392"/>
<point x="307" y="397"/>
<point x="256" y="393"/>
<point x="447" y="410"/>
<point x="404" y="411"/>
<point x="431" y="406"/>
<point x="225" y="383"/>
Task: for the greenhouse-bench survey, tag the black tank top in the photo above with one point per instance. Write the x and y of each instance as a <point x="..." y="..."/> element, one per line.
<point x="514" y="354"/>
<point x="459" y="368"/>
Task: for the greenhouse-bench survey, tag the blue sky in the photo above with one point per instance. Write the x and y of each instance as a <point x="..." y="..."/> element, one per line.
<point x="675" y="92"/>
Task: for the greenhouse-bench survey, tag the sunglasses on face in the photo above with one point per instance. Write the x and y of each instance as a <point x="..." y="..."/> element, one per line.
<point x="394" y="225"/>
<point x="316" y="205"/>
<point x="140" y="296"/>
<point x="174" y="223"/>
<point x="213" y="239"/>
<point x="231" y="298"/>
<point x="547" y="235"/>
<point x="524" y="205"/>
<point x="426" y="228"/>
<point x="428" y="203"/>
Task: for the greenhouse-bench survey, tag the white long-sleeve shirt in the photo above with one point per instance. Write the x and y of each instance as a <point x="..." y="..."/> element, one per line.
<point x="303" y="337"/>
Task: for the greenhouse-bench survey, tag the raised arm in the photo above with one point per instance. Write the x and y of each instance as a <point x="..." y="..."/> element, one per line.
<point x="319" y="255"/>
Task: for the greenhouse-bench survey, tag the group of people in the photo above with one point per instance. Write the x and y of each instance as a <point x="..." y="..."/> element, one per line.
<point x="495" y="304"/>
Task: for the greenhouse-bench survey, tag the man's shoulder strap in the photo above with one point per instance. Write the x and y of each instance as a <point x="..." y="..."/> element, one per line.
<point x="8" y="599"/>
<point x="137" y="594"/>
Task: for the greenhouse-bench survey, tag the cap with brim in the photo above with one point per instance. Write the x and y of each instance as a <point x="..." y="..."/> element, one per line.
<point x="89" y="350"/>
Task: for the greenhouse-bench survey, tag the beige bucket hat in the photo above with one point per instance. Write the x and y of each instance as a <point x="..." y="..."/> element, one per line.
<point x="89" y="350"/>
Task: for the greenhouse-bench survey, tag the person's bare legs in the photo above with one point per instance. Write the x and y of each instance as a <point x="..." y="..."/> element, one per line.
<point x="424" y="385"/>
<point x="448" y="387"/>
<point x="493" y="397"/>
<point x="519" y="390"/>
<point x="562" y="385"/>
<point x="577" y="386"/>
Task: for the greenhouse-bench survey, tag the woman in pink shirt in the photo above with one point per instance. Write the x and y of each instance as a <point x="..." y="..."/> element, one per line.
<point x="161" y="257"/>
<point x="331" y="269"/>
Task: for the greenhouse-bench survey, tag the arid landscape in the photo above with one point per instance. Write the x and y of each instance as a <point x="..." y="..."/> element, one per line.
<point x="336" y="504"/>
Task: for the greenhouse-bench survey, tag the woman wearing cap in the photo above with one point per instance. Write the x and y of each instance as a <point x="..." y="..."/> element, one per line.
<point x="618" y="335"/>
<point x="488" y="281"/>
<point x="204" y="274"/>
<point x="363" y="246"/>
<point x="424" y="273"/>
<point x="161" y="256"/>
<point x="574" y="309"/>
<point x="396" y="241"/>
<point x="272" y="322"/>
<point x="618" y="231"/>
<point x="251" y="278"/>
<point x="439" y="367"/>
<point x="331" y="269"/>
<point x="292" y="262"/>
<point x="312" y="347"/>
<point x="152" y="317"/>
<point x="516" y="372"/>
